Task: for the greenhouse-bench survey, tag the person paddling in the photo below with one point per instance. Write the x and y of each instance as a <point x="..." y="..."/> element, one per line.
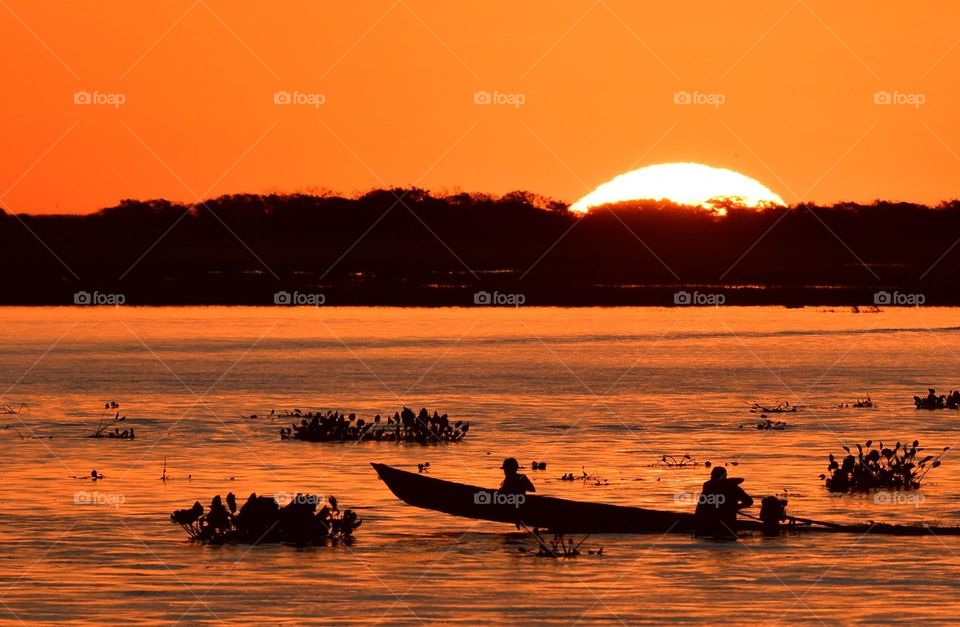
<point x="717" y="506"/>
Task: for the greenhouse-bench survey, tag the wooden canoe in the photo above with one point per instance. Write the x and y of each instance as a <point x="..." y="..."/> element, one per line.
<point x="545" y="512"/>
<point x="566" y="516"/>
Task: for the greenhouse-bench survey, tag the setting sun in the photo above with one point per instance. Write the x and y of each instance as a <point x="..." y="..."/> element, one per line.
<point x="691" y="184"/>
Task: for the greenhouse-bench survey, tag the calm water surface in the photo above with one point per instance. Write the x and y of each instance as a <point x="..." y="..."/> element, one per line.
<point x="606" y="390"/>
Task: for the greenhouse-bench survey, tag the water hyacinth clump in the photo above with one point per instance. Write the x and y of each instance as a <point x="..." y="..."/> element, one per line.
<point x="262" y="520"/>
<point x="880" y="467"/>
<point x="943" y="401"/>
<point x="405" y="426"/>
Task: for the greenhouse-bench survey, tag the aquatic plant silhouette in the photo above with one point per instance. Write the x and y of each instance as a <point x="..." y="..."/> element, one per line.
<point x="933" y="401"/>
<point x="880" y="467"/>
<point x="262" y="520"/>
<point x="404" y="426"/>
<point x="103" y="428"/>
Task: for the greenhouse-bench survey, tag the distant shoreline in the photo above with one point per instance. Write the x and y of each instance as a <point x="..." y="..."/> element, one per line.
<point x="679" y="297"/>
<point x="407" y="248"/>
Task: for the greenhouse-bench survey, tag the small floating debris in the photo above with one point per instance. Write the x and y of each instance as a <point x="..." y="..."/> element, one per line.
<point x="769" y="425"/>
<point x="932" y="401"/>
<point x="880" y="467"/>
<point x="164" y="477"/>
<point x="29" y="436"/>
<point x="860" y="403"/>
<point x="103" y="429"/>
<point x="561" y="546"/>
<point x="405" y="426"/>
<point x="686" y="461"/>
<point x="671" y="461"/>
<point x="586" y="477"/>
<point x="262" y="520"/>
<point x="782" y="407"/>
<point x="273" y="412"/>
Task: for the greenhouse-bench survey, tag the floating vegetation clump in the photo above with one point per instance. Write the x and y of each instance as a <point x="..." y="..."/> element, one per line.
<point x="103" y="429"/>
<point x="880" y="467"/>
<point x="860" y="403"/>
<point x="766" y="424"/>
<point x="943" y="401"/>
<point x="405" y="426"/>
<point x="262" y="520"/>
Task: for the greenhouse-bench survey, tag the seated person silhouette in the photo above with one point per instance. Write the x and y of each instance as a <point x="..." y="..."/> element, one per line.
<point x="514" y="482"/>
<point x="720" y="500"/>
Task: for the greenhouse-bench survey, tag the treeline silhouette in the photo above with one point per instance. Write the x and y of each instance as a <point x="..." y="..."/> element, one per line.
<point x="408" y="247"/>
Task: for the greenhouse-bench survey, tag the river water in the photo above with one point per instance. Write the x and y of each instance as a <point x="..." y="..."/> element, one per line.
<point x="605" y="391"/>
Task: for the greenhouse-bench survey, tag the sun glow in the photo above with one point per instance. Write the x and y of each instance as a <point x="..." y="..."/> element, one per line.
<point x="691" y="184"/>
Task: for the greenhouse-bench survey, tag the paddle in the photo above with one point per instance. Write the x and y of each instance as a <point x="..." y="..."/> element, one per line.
<point x="808" y="521"/>
<point x="823" y="523"/>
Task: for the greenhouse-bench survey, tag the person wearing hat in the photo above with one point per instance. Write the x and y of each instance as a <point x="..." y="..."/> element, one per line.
<point x="514" y="482"/>
<point x="717" y="506"/>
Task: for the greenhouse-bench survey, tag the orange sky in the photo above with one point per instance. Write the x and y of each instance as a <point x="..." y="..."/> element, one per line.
<point x="597" y="78"/>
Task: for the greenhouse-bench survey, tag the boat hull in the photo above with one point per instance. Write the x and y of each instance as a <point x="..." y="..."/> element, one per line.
<point x="536" y="511"/>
